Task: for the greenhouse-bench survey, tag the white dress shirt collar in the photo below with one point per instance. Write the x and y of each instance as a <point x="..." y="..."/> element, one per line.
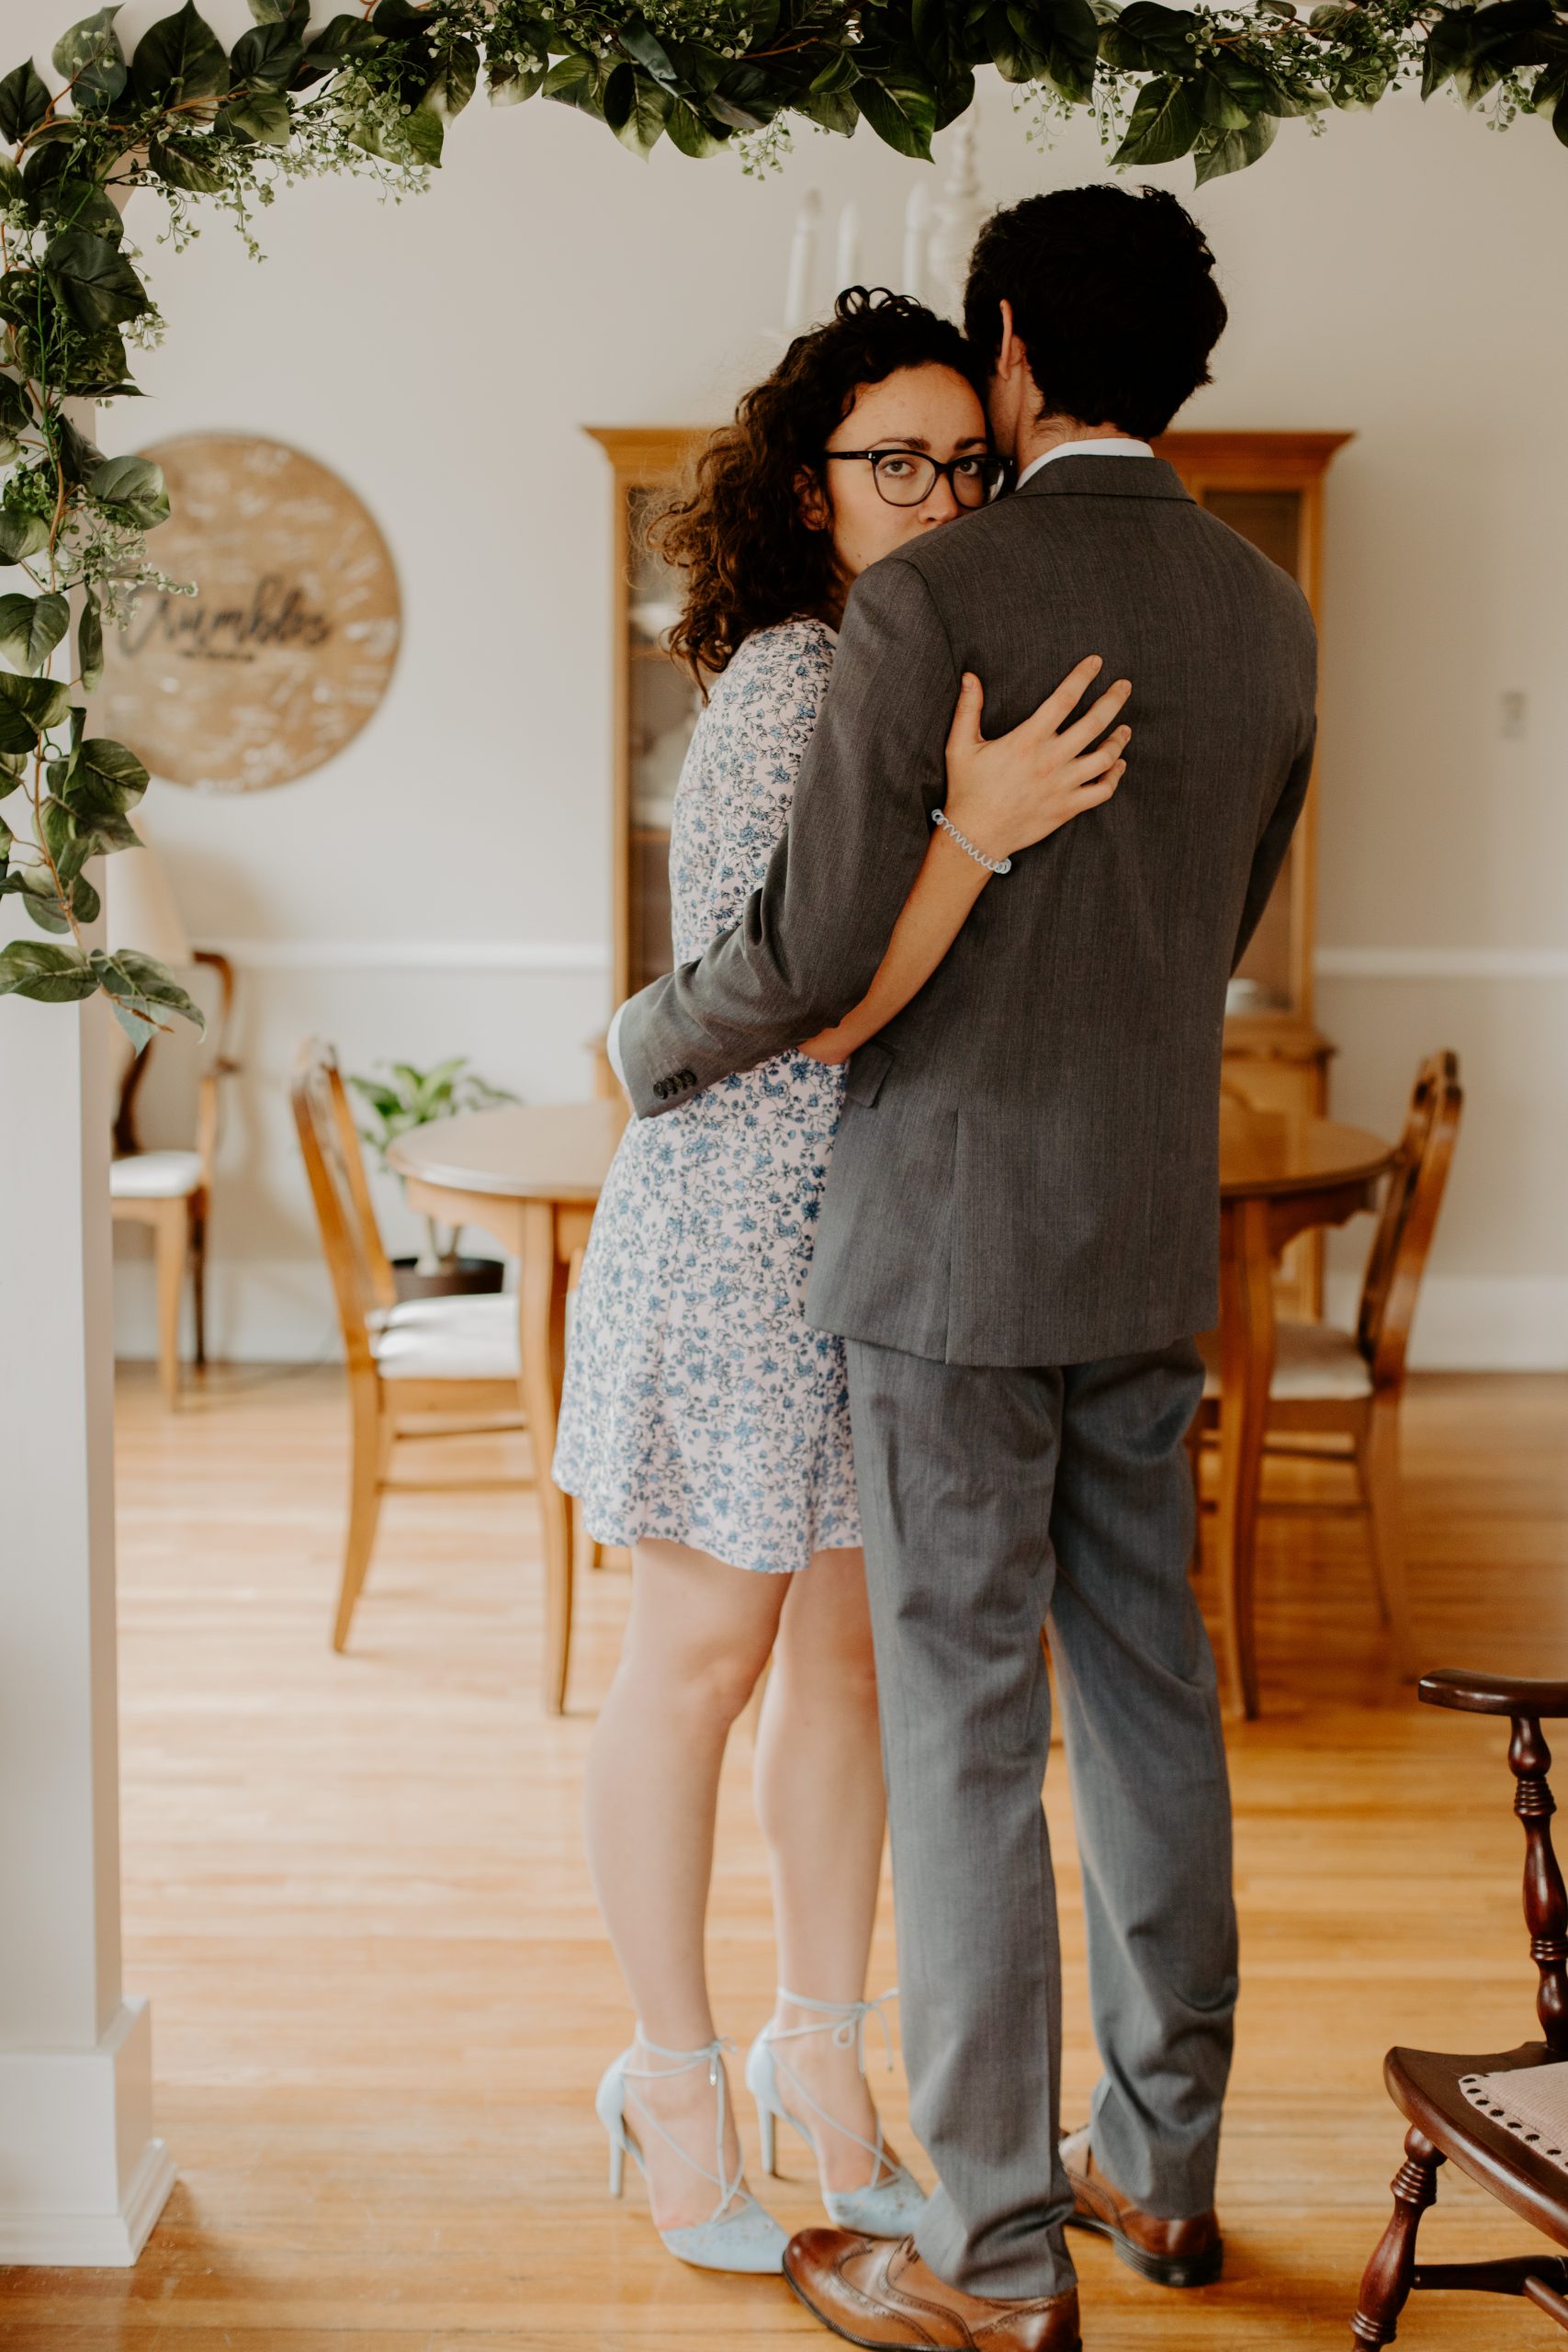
<point x="1102" y="449"/>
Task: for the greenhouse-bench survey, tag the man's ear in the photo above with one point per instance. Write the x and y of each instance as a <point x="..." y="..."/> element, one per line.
<point x="814" y="510"/>
<point x="1011" y="358"/>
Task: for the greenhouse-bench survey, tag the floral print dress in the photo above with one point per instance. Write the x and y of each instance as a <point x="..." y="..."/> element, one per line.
<point x="699" y="1406"/>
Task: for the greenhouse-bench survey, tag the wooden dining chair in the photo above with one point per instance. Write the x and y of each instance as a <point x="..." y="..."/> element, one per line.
<point x="170" y="1190"/>
<point x="1348" y="1386"/>
<point x="417" y="1368"/>
<point x="1501" y="2116"/>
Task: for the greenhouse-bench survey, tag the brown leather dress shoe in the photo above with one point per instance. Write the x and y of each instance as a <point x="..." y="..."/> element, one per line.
<point x="1173" y="2253"/>
<point x="877" y="2292"/>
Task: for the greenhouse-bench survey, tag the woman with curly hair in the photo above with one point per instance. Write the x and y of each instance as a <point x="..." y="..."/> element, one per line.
<point x="704" y="1425"/>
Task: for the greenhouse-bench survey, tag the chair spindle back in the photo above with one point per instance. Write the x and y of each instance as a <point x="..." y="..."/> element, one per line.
<point x="1415" y="1194"/>
<point x="363" y="1282"/>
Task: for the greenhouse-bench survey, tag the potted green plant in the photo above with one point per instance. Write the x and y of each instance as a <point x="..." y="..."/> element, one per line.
<point x="408" y="1098"/>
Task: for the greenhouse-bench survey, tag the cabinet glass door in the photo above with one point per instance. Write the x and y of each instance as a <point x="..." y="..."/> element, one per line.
<point x="663" y="706"/>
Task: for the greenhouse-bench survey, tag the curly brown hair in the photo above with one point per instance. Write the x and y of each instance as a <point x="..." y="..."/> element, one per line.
<point x="737" y="531"/>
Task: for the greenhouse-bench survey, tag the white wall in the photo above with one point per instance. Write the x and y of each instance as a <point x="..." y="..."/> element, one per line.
<point x="1399" y="278"/>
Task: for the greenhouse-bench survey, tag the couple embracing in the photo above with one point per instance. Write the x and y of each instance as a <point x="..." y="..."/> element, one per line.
<point x="884" y="1350"/>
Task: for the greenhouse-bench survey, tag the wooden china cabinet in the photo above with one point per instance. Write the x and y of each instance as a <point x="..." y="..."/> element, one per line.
<point x="1268" y="486"/>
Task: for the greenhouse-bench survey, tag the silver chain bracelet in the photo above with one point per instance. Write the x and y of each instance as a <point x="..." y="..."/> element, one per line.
<point x="992" y="864"/>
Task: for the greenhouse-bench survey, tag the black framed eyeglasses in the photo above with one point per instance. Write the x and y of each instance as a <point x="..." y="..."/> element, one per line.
<point x="908" y="477"/>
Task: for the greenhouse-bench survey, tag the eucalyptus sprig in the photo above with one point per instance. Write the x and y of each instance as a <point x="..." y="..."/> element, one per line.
<point x="374" y="89"/>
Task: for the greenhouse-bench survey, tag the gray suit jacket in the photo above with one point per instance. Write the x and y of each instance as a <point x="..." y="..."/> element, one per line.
<point x="1025" y="1171"/>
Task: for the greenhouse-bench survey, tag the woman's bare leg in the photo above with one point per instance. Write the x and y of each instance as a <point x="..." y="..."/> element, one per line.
<point x="697" y="1637"/>
<point x="821" y="1802"/>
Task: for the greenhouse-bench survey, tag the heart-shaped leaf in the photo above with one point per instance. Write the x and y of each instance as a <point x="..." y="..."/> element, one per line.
<point x="178" y="59"/>
<point x="90" y="58"/>
<point x="265" y="60"/>
<point x="40" y="902"/>
<point x="93" y="279"/>
<point x="902" y="114"/>
<point x="508" y="83"/>
<point x="30" y="628"/>
<point x="24" y="102"/>
<point x="69" y="845"/>
<point x="649" y="111"/>
<point x="101" y="777"/>
<point x="689" y="132"/>
<point x="140" y="988"/>
<point x="133" y="490"/>
<point x="456" y="83"/>
<point x="1165" y="124"/>
<point x="1235" y="149"/>
<point x="186" y="164"/>
<point x="21" y="533"/>
<point x="29" y="708"/>
<point x="48" y="975"/>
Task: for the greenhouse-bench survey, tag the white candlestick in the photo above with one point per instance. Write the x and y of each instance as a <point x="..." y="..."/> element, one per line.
<point x="802" y="256"/>
<point x="915" y="212"/>
<point x="849" y="246"/>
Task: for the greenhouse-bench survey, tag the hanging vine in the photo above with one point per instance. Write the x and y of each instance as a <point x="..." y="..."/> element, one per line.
<point x="374" y="90"/>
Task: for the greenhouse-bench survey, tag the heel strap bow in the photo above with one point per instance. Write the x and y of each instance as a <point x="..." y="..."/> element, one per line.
<point x="848" y="2022"/>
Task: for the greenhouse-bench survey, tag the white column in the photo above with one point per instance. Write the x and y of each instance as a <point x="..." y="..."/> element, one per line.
<point x="82" y="2178"/>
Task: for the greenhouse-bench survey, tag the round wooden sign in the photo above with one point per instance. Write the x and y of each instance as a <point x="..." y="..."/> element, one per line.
<point x="289" y="644"/>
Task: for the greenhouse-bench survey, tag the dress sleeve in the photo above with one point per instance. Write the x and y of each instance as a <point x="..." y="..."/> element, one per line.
<point x="805" y="946"/>
<point x="772" y="697"/>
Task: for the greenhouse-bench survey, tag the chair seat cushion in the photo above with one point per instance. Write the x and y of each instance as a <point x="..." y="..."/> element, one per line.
<point x="448" y="1339"/>
<point x="1312" y="1361"/>
<point x="155" y="1176"/>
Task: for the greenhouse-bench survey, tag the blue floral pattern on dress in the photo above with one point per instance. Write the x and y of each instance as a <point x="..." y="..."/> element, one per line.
<point x="700" y="1408"/>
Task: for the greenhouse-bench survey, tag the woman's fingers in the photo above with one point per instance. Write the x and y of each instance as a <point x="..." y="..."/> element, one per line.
<point x="1110" y="748"/>
<point x="1096" y="718"/>
<point x="968" y="713"/>
<point x="1097" y="760"/>
<point x="1099" y="789"/>
<point x="1067" y="696"/>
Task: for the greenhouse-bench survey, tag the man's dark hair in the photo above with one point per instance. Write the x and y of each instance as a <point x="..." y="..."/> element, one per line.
<point x="1114" y="298"/>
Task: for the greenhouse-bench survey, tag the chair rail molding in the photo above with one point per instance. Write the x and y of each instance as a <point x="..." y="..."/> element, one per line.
<point x="529" y="955"/>
<point x="549" y="956"/>
<point x="1441" y="963"/>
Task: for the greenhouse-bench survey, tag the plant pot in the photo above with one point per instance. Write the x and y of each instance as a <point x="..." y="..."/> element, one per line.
<point x="464" y="1278"/>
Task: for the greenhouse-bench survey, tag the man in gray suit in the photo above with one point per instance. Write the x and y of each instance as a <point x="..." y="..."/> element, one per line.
<point x="1017" y="1241"/>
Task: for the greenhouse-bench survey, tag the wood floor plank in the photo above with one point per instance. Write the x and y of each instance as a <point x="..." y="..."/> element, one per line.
<point x="354" y="1891"/>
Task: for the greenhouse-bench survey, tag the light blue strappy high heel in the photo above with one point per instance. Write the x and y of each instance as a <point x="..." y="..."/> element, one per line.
<point x="892" y="2200"/>
<point x="736" y="2235"/>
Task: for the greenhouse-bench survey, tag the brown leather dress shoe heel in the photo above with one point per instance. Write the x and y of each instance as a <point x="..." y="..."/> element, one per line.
<point x="877" y="2292"/>
<point x="1173" y="2253"/>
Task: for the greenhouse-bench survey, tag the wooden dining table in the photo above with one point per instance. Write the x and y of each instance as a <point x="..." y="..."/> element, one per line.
<point x="530" y="1178"/>
<point x="1281" y="1172"/>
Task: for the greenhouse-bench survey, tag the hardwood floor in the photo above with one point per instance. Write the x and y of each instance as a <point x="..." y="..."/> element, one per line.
<point x="355" y="1894"/>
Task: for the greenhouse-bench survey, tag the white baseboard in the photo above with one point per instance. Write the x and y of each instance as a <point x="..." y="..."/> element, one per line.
<point x="1476" y="1322"/>
<point x="82" y="2178"/>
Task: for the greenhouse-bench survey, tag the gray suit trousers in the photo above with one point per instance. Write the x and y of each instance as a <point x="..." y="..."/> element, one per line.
<point x="995" y="1499"/>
